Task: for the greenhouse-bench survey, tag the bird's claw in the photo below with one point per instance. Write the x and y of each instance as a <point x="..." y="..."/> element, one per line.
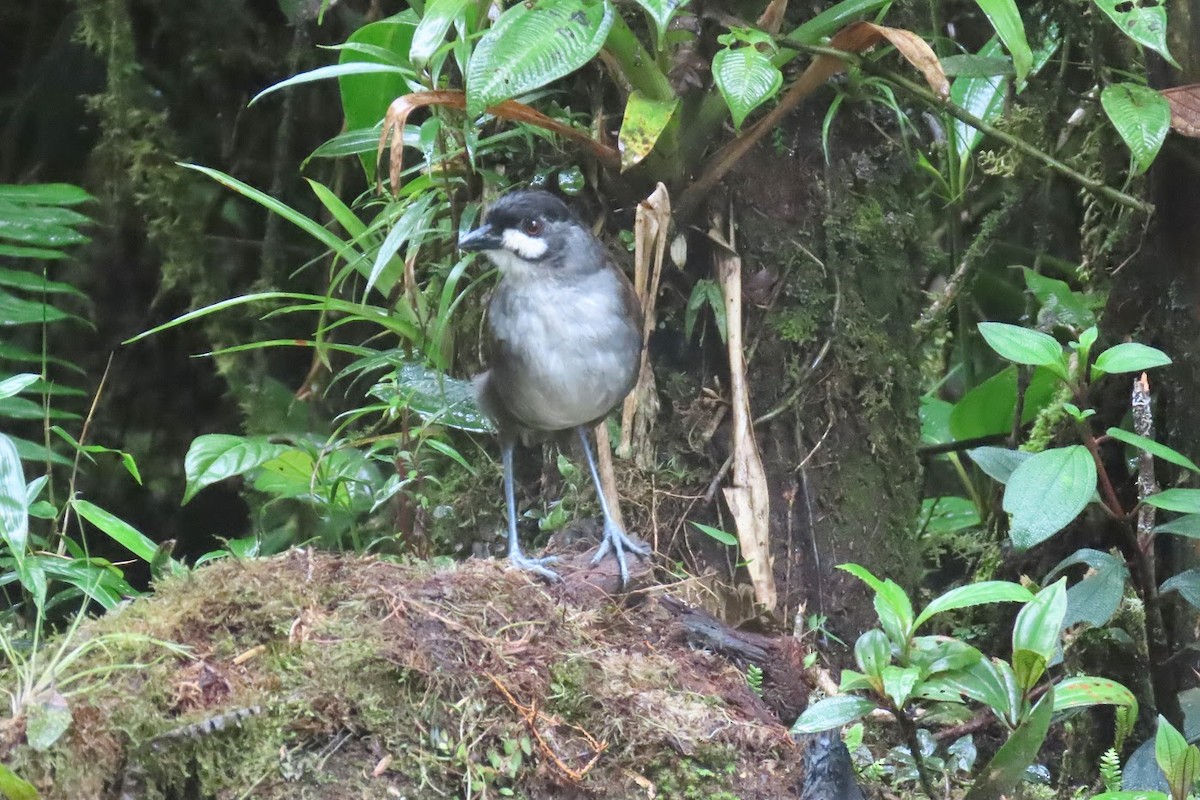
<point x="535" y="565"/>
<point x="618" y="541"/>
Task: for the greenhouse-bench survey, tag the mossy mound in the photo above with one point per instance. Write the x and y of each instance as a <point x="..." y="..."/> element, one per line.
<point x="316" y="676"/>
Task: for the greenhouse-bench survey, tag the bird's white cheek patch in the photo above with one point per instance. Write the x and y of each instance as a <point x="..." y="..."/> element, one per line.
<point x="525" y="246"/>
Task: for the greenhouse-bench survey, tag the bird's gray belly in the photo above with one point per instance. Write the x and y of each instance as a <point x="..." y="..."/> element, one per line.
<point x="563" y="364"/>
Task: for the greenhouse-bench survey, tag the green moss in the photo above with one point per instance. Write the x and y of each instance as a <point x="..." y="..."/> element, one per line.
<point x="321" y="677"/>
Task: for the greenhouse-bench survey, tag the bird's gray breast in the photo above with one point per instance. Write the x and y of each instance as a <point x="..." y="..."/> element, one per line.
<point x="564" y="352"/>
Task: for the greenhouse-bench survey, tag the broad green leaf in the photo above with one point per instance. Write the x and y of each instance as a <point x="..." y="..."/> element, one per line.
<point x="936" y="654"/>
<point x="14" y="506"/>
<point x="833" y="19"/>
<point x="644" y="122"/>
<point x="935" y="420"/>
<point x="832" y="712"/>
<point x="899" y="682"/>
<point x="1037" y="631"/>
<point x="983" y="97"/>
<point x="973" y="66"/>
<point x="988" y="682"/>
<point x="336" y="71"/>
<point x="14" y="788"/>
<point x="1047" y="492"/>
<point x="214" y="457"/>
<point x="1178" y="760"/>
<point x="1186" y="501"/>
<point x="1187" y="525"/>
<point x="891" y="604"/>
<point x="359" y="142"/>
<point x="1061" y="305"/>
<point x="1129" y="357"/>
<point x="1095" y="599"/>
<point x="942" y="515"/>
<point x="724" y="537"/>
<point x="117" y="529"/>
<point x="44" y="194"/>
<point x="1153" y="448"/>
<point x="1025" y="346"/>
<point x="1145" y="23"/>
<point x="1006" y="20"/>
<point x="998" y="463"/>
<point x="15" y="384"/>
<point x="435" y="22"/>
<point x="989" y="408"/>
<point x="533" y="44"/>
<point x="873" y="652"/>
<point x="1142" y="116"/>
<point x="19" y="311"/>
<point x="661" y="12"/>
<point x="436" y="398"/>
<point x="746" y="78"/>
<point x="975" y="594"/>
<point x="1084" y="691"/>
<point x="366" y="97"/>
<point x="1187" y="583"/>
<point x="47" y="718"/>
<point x="1008" y="766"/>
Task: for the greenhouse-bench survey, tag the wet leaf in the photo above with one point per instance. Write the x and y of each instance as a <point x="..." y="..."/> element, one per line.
<point x="746" y="78"/>
<point x="1047" y="492"/>
<point x="1143" y="22"/>
<point x="533" y="44"/>
<point x="1141" y="116"/>
<point x="47" y="718"/>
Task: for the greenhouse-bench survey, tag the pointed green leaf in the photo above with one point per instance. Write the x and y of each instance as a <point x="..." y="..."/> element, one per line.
<point x="1142" y="116"/>
<point x="1025" y="346"/>
<point x="1153" y="448"/>
<point x="832" y="712"/>
<point x="746" y="78"/>
<point x="1145" y="23"/>
<point x="1008" y="766"/>
<point x="14" y="506"/>
<point x="873" y="652"/>
<point x="1047" y="492"/>
<point x="661" y="12"/>
<point x="998" y="463"/>
<point x="1186" y="501"/>
<point x="366" y="96"/>
<point x="975" y="594"/>
<point x="1188" y="526"/>
<point x="644" y="122"/>
<point x="1130" y="357"/>
<point x="533" y="44"/>
<point x="1037" y="631"/>
<point x="1006" y="21"/>
<point x="435" y="22"/>
<point x="217" y="456"/>
<point x="14" y="788"/>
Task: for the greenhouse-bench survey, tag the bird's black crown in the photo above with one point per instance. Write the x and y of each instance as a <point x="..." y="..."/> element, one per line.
<point x="526" y="204"/>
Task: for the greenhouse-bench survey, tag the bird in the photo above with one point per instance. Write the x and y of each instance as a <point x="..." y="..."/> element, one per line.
<point x="565" y="327"/>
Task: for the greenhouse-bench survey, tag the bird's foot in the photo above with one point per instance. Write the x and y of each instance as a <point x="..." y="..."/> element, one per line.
<point x="535" y="565"/>
<point x="619" y="542"/>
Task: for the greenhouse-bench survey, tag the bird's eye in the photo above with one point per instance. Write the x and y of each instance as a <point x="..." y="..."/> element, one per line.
<point x="533" y="227"/>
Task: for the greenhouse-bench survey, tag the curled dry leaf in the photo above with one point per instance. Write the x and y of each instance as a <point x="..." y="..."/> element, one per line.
<point x="401" y="107"/>
<point x="863" y="36"/>
<point x="651" y="228"/>
<point x="1185" y="108"/>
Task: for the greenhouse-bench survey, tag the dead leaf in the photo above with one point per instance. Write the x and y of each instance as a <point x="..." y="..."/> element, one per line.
<point x="863" y="36"/>
<point x="747" y="495"/>
<point x="644" y="122"/>
<point x="772" y="17"/>
<point x="1185" y="108"/>
<point x="651" y="228"/>
<point x="397" y="117"/>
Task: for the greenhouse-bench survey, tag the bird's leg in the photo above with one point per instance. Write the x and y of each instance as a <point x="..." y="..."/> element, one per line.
<point x="519" y="559"/>
<point x="615" y="538"/>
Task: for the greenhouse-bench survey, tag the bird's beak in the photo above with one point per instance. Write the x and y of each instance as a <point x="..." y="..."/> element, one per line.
<point x="482" y="238"/>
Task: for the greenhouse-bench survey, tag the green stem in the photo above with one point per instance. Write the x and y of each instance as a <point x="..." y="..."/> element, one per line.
<point x="961" y="114"/>
<point x="638" y="65"/>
